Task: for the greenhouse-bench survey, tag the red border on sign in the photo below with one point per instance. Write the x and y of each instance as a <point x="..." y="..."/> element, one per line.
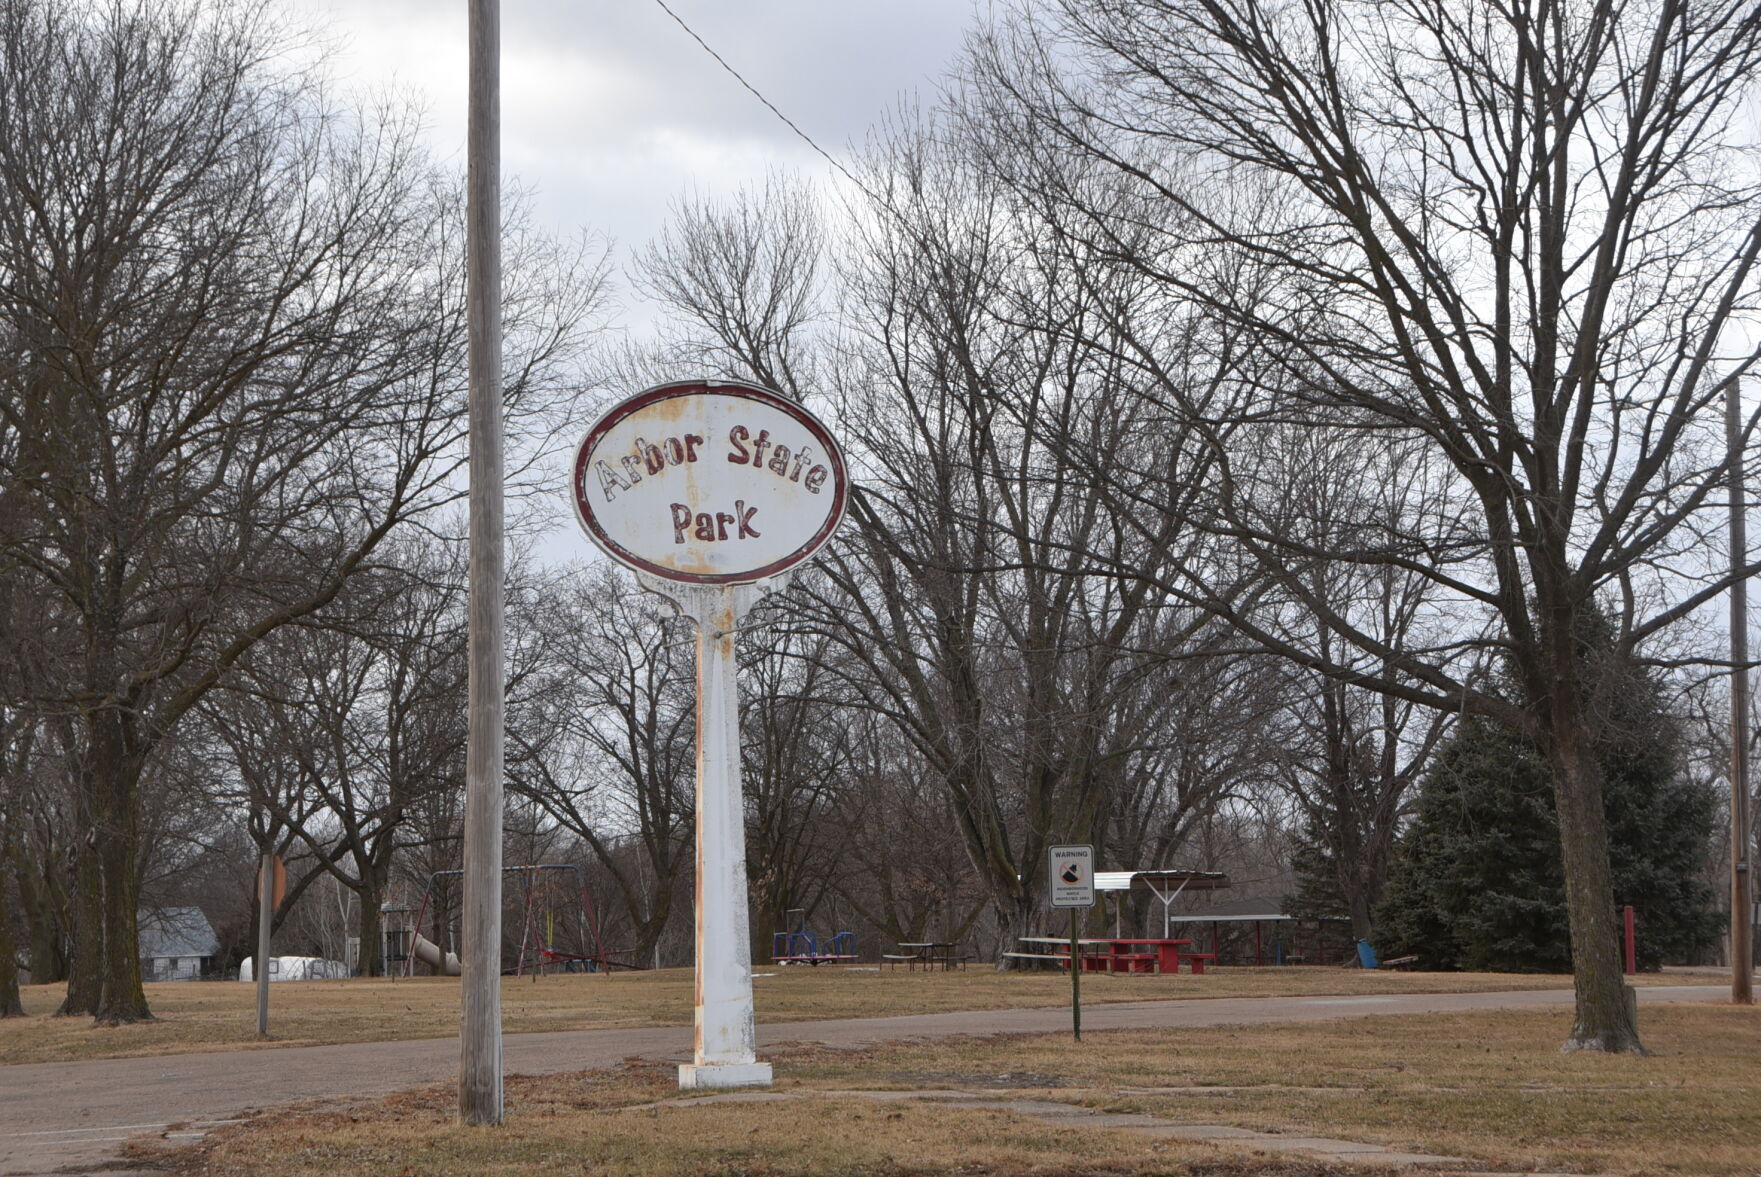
<point x="584" y="506"/>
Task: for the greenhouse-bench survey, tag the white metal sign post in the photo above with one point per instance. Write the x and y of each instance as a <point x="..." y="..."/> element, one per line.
<point x="713" y="492"/>
<point x="1072" y="885"/>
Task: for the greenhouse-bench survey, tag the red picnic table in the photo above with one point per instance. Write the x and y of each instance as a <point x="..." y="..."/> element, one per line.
<point x="1124" y="955"/>
<point x="1166" y="955"/>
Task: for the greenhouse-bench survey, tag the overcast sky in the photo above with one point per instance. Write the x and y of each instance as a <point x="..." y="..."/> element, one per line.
<point x="610" y="111"/>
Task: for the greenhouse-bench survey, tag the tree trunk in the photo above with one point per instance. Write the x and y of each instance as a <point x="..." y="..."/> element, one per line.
<point x="1605" y="1020"/>
<point x="371" y="893"/>
<point x="121" y="997"/>
<point x="772" y="905"/>
<point x="652" y="926"/>
<point x="11" y="1005"/>
<point x="1358" y="901"/>
<point x="86" y="912"/>
<point x="44" y="943"/>
<point x="1016" y="915"/>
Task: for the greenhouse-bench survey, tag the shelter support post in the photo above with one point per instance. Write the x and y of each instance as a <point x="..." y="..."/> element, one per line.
<point x="1167" y="899"/>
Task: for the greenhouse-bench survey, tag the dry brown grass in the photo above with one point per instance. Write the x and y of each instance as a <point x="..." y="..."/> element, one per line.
<point x="575" y="1124"/>
<point x="222" y="1015"/>
<point x="1492" y="1086"/>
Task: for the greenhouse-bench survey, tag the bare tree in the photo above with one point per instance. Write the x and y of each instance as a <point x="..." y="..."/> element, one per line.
<point x="232" y="322"/>
<point x="365" y="707"/>
<point x="1203" y="745"/>
<point x="1521" y="234"/>
<point x="960" y="604"/>
<point x="602" y="744"/>
<point x="15" y="739"/>
<point x="741" y="284"/>
<point x="1347" y="756"/>
<point x="796" y="733"/>
<point x="259" y="745"/>
<point x="967" y="590"/>
<point x="904" y="866"/>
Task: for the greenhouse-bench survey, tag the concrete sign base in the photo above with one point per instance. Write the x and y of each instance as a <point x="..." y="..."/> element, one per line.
<point x="703" y="1078"/>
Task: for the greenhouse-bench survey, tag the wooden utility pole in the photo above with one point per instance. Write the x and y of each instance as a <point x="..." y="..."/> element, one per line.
<point x="266" y="898"/>
<point x="480" y="1089"/>
<point x="1742" y="952"/>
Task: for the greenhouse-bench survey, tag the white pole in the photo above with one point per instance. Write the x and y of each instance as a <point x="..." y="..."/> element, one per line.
<point x="726" y="1039"/>
<point x="480" y="1060"/>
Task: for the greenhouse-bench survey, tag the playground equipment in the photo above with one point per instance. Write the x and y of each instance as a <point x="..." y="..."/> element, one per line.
<point x="543" y="888"/>
<point x="799" y="946"/>
<point x="397" y="935"/>
<point x="428" y="952"/>
<point x="404" y="945"/>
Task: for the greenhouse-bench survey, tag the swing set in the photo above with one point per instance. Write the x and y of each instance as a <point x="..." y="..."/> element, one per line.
<point x="543" y="888"/>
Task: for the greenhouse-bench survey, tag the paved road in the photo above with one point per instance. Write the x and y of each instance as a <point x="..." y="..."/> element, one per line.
<point x="67" y="1118"/>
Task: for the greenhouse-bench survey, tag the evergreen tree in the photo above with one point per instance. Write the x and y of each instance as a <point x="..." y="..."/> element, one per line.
<point x="1477" y="881"/>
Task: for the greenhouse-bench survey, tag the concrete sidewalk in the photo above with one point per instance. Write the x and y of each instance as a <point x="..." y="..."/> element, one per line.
<point x="67" y="1118"/>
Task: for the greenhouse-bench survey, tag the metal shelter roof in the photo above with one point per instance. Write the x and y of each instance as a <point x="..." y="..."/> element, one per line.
<point x="1160" y="880"/>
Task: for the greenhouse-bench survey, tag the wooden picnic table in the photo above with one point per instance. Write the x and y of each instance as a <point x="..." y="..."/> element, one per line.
<point x="928" y="953"/>
<point x="1056" y="950"/>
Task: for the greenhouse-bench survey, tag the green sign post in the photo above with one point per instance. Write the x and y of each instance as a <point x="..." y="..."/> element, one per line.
<point x="1072" y="885"/>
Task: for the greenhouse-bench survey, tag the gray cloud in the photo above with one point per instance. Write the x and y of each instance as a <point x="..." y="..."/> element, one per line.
<point x="610" y="111"/>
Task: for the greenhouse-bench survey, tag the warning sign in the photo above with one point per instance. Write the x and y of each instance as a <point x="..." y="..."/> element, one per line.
<point x="1073" y="876"/>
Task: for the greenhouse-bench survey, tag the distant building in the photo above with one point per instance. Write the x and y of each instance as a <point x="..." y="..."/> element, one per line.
<point x="177" y="944"/>
<point x="296" y="968"/>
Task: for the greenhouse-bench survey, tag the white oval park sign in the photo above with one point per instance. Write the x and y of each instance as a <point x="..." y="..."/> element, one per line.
<point x="709" y="483"/>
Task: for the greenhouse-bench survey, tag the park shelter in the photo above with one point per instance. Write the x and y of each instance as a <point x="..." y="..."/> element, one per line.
<point x="177" y="944"/>
<point x="1257" y="931"/>
<point x="1165" y="885"/>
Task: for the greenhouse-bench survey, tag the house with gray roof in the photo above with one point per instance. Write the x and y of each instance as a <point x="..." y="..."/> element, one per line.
<point x="177" y="944"/>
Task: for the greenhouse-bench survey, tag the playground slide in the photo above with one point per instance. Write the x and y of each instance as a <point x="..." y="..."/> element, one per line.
<point x="428" y="952"/>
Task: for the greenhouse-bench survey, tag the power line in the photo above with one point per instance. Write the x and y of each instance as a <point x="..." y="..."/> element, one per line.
<point x="754" y="91"/>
